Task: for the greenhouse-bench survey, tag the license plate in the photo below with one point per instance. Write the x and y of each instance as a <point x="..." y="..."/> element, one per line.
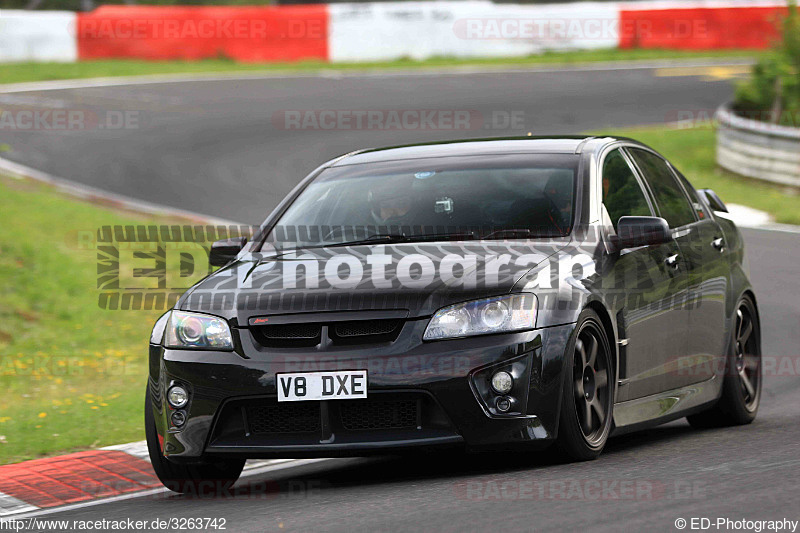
<point x="342" y="385"/>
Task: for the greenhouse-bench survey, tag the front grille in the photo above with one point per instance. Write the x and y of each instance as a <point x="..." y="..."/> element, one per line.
<point x="361" y="328"/>
<point x="384" y="416"/>
<point x="284" y="418"/>
<point x="371" y="414"/>
<point x="289" y="335"/>
<point x="291" y="331"/>
<point x="351" y="332"/>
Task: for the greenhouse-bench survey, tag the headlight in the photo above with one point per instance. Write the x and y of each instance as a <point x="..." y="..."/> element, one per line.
<point x="193" y="330"/>
<point x="504" y="314"/>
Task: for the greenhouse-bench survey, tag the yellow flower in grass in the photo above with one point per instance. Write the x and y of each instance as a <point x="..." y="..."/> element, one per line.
<point x="42" y="415"/>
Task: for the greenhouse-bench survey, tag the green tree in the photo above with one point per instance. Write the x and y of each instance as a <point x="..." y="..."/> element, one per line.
<point x="773" y="91"/>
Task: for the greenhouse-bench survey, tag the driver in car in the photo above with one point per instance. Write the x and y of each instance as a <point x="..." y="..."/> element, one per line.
<point x="391" y="204"/>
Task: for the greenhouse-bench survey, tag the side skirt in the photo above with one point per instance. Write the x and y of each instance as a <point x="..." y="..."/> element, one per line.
<point x="666" y="406"/>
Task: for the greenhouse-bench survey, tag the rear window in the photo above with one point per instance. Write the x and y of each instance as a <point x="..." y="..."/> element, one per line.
<point x="510" y="196"/>
<point x="670" y="198"/>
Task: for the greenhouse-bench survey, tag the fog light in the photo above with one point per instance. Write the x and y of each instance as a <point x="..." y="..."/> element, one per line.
<point x="177" y="397"/>
<point x="178" y="418"/>
<point x="502" y="382"/>
<point x="503" y="404"/>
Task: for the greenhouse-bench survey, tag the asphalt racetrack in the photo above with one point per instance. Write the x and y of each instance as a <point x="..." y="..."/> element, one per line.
<point x="225" y="148"/>
<point x="213" y="147"/>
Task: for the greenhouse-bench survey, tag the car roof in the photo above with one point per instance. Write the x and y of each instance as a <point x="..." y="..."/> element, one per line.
<point x="495" y="146"/>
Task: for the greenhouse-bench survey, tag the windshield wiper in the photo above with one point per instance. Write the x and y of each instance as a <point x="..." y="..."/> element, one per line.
<point x="378" y="238"/>
<point x="387" y="238"/>
<point x="509" y="233"/>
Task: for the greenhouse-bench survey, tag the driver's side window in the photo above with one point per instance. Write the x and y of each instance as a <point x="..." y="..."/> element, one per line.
<point x="622" y="193"/>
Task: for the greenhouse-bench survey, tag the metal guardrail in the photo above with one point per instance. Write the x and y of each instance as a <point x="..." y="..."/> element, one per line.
<point x="758" y="149"/>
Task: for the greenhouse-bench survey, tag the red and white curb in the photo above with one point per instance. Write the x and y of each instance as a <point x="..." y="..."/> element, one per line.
<point x="96" y="475"/>
<point x="383" y="31"/>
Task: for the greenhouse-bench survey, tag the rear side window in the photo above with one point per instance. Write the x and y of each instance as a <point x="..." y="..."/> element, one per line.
<point x="622" y="194"/>
<point x="670" y="198"/>
<point x="693" y="196"/>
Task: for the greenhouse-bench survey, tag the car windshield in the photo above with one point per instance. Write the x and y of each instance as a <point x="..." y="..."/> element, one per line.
<point x="477" y="197"/>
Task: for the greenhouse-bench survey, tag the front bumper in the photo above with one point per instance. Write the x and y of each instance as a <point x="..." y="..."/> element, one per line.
<point x="447" y="381"/>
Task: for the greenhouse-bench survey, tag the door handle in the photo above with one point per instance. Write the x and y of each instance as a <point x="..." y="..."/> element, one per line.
<point x="719" y="244"/>
<point x="672" y="261"/>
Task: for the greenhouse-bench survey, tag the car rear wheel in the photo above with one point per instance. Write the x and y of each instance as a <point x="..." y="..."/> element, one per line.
<point x="199" y="478"/>
<point x="588" y="392"/>
<point x="741" y="387"/>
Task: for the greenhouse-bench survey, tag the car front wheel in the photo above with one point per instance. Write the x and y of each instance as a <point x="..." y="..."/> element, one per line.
<point x="199" y="478"/>
<point x="588" y="391"/>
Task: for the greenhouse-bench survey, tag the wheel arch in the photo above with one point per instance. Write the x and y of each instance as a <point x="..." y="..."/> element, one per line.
<point x="752" y="295"/>
<point x="611" y="332"/>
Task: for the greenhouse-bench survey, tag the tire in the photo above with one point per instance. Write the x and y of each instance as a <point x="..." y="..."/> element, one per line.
<point x="742" y="381"/>
<point x="199" y="478"/>
<point x="587" y="401"/>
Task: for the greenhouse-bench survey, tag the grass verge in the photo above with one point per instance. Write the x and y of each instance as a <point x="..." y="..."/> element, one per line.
<point x="72" y="374"/>
<point x="30" y="71"/>
<point x="692" y="150"/>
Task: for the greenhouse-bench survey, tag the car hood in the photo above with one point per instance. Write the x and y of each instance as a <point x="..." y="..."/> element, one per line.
<point x="410" y="279"/>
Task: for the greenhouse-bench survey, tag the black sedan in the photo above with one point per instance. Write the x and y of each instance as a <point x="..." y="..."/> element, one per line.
<point x="503" y="293"/>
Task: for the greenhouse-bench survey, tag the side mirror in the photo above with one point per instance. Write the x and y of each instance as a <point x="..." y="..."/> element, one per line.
<point x="642" y="231"/>
<point x="222" y="252"/>
<point x="714" y="201"/>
